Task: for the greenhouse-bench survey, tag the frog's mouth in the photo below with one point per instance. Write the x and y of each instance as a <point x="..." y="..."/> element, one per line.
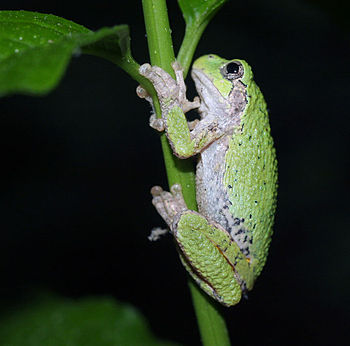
<point x="211" y="98"/>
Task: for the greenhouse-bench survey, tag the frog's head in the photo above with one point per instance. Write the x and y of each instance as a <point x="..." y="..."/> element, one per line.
<point x="213" y="74"/>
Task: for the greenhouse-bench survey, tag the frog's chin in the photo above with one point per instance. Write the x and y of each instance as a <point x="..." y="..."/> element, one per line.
<point x="204" y="85"/>
<point x="210" y="96"/>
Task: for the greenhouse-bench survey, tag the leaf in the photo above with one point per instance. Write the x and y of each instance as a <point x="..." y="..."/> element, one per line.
<point x="36" y="48"/>
<point x="198" y="12"/>
<point x="91" y="321"/>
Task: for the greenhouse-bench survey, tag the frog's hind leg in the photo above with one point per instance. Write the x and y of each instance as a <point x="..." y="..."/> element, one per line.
<point x="209" y="255"/>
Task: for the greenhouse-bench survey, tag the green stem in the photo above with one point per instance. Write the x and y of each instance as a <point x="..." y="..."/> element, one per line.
<point x="211" y="324"/>
<point x="189" y="44"/>
<point x="158" y="34"/>
<point x="124" y="61"/>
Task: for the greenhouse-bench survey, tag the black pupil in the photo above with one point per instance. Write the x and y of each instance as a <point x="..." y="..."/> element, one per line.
<point x="232" y="67"/>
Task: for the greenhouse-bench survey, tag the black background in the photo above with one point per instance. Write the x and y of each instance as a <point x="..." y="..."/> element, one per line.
<point x="78" y="164"/>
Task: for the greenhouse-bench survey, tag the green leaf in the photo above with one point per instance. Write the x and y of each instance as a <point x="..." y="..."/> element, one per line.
<point x="89" y="322"/>
<point x="36" y="48"/>
<point x="197" y="14"/>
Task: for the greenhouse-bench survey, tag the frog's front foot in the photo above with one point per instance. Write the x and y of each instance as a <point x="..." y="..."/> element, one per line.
<point x="142" y="93"/>
<point x="170" y="91"/>
<point x="154" y="122"/>
<point x="163" y="83"/>
<point x="186" y="105"/>
<point x="168" y="204"/>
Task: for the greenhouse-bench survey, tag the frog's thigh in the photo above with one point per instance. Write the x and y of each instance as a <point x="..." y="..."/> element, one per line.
<point x="204" y="260"/>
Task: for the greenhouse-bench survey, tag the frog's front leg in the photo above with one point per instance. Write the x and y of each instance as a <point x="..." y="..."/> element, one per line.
<point x="170" y="92"/>
<point x="186" y="139"/>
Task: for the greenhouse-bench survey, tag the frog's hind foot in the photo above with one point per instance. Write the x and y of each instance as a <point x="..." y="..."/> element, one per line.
<point x="156" y="123"/>
<point x="168" y="204"/>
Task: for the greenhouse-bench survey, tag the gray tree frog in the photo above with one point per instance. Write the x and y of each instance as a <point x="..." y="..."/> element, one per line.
<point x="224" y="246"/>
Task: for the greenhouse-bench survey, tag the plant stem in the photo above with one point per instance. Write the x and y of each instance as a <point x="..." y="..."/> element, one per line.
<point x="211" y="324"/>
<point x="162" y="54"/>
<point x="189" y="44"/>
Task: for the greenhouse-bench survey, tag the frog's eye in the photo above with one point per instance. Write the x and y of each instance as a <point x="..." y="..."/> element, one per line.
<point x="232" y="70"/>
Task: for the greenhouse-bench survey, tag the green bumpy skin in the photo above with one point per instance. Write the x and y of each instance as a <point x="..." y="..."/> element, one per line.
<point x="208" y="249"/>
<point x="251" y="176"/>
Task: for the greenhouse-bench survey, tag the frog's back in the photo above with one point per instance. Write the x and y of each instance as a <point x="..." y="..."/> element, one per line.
<point x="251" y="177"/>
